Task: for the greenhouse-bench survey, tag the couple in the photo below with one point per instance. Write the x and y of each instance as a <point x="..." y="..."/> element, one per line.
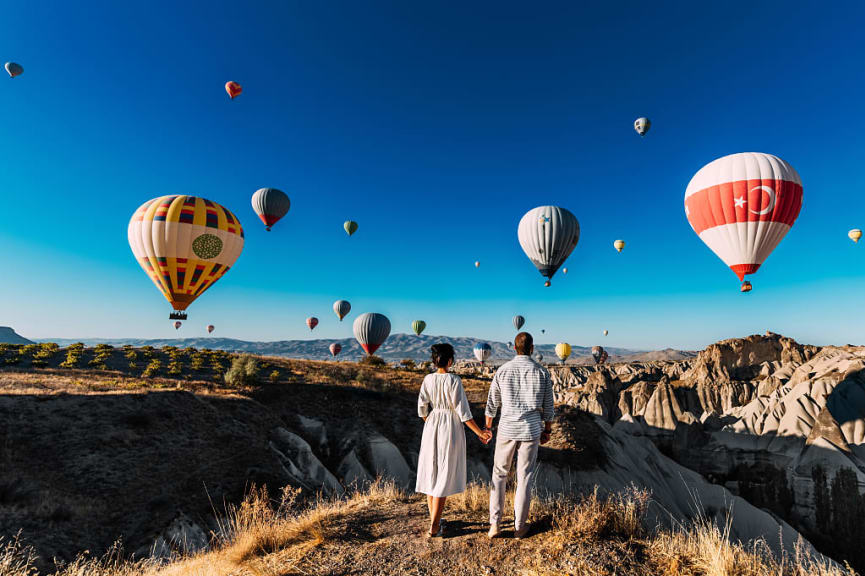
<point x="522" y="389"/>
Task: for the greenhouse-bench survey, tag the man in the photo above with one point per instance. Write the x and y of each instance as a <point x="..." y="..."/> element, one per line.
<point x="523" y="390"/>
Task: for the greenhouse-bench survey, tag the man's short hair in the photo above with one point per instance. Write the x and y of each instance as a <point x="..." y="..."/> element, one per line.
<point x="523" y="343"/>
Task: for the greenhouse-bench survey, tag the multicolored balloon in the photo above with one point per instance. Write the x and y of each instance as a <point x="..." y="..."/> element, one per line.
<point x="371" y="330"/>
<point x="619" y="245"/>
<point x="563" y="351"/>
<point x="482" y="352"/>
<point x="14" y="69"/>
<point x="184" y="244"/>
<point x="518" y="322"/>
<point x="564" y="270"/>
<point x="210" y="328"/>
<point x="178" y="324"/>
<point x="335" y="349"/>
<point x="477" y="264"/>
<point x="270" y="205"/>
<point x="312" y="322"/>
<point x="418" y="326"/>
<point x="341" y="308"/>
<point x="742" y="206"/>
<point x="599" y="354"/>
<point x="233" y="89"/>
<point x="855" y="234"/>
<point x="642" y="125"/>
<point x="548" y="235"/>
<point x="350" y="227"/>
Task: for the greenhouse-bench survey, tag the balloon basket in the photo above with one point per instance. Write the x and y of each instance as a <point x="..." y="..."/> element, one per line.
<point x="176" y="315"/>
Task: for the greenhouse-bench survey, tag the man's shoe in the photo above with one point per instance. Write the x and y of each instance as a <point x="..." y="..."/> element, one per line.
<point x="494" y="531"/>
<point x="522" y="532"/>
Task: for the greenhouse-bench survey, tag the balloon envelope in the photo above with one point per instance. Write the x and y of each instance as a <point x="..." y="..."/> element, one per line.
<point x="210" y="328"/>
<point x="563" y="350"/>
<point x="548" y="235"/>
<point x="482" y="352"/>
<point x="642" y="125"/>
<point x="233" y="89"/>
<point x="371" y="330"/>
<point x="184" y="244"/>
<point x="341" y="308"/>
<point x="477" y="264"/>
<point x="518" y="322"/>
<point x="312" y="322"/>
<point x="270" y="205"/>
<point x="855" y="234"/>
<point x="598" y="354"/>
<point x="335" y="349"/>
<point x="742" y="206"/>
<point x="606" y="332"/>
<point x="418" y="326"/>
<point x="14" y="69"/>
<point x="350" y="227"/>
<point x="618" y="245"/>
<point x="178" y="324"/>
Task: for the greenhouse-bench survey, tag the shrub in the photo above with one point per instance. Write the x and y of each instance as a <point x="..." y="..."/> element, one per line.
<point x="373" y="361"/>
<point x="131" y="355"/>
<point x="46" y="351"/>
<point x="74" y="352"/>
<point x="197" y="363"/>
<point x="408" y="364"/>
<point x="274" y="377"/>
<point x="243" y="371"/>
<point x="152" y="368"/>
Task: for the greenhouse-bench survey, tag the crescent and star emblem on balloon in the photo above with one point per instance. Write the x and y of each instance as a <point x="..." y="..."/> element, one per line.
<point x="741" y="200"/>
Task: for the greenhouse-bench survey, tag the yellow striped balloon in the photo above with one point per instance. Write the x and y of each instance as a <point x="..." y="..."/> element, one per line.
<point x="563" y="350"/>
<point x="185" y="244"/>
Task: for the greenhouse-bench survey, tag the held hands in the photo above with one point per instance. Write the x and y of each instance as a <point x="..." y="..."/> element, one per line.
<point x="486" y="435"/>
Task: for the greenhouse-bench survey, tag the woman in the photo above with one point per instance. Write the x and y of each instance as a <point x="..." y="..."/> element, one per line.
<point x="442" y="403"/>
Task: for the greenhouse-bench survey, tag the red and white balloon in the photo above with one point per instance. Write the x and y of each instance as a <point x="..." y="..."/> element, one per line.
<point x="742" y="205"/>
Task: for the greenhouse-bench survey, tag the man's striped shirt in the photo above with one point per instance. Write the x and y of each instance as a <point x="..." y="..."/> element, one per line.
<point x="523" y="390"/>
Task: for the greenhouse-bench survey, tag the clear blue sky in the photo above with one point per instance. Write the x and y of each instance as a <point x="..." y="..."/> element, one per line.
<point x="436" y="126"/>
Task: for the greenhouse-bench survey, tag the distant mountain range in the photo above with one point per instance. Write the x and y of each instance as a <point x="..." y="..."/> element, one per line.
<point x="397" y="347"/>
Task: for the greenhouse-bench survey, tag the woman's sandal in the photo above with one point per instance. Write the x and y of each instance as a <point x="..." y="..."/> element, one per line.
<point x="439" y="533"/>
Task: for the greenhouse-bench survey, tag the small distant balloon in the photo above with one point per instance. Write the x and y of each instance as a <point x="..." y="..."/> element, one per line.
<point x="14" y="69"/>
<point x="335" y="349"/>
<point x="543" y="331"/>
<point x="563" y="350"/>
<point x="548" y="235"/>
<point x="418" y="326"/>
<point x="210" y="328"/>
<point x="518" y="322"/>
<point x="270" y="205"/>
<point x="482" y="352"/>
<point x="619" y="245"/>
<point x="341" y="308"/>
<point x="312" y="322"/>
<point x="642" y="125"/>
<point x="233" y="89"/>
<point x="606" y="332"/>
<point x="854" y="234"/>
<point x="477" y="264"/>
<point x="564" y="270"/>
<point x="350" y="227"/>
<point x="178" y="324"/>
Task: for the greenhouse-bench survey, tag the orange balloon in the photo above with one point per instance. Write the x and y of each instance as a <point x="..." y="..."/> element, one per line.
<point x="233" y="89"/>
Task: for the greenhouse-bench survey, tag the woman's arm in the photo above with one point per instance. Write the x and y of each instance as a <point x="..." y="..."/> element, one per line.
<point x="484" y="435"/>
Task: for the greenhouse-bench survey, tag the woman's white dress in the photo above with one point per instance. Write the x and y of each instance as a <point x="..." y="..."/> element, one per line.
<point x="441" y="465"/>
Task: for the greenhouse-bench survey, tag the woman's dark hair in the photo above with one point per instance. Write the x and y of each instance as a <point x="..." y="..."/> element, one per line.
<point x="442" y="354"/>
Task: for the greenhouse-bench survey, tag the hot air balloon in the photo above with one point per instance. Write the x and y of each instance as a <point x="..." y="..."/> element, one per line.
<point x="418" y="326"/>
<point x="618" y="245"/>
<point x="598" y="354"/>
<point x="477" y="264"/>
<point x="14" y="69"/>
<point x="335" y="349"/>
<point x="178" y="324"/>
<point x="746" y="287"/>
<point x="543" y="331"/>
<point x="210" y="328"/>
<point x="233" y="89"/>
<point x="563" y="350"/>
<point x="854" y="234"/>
<point x="606" y="332"/>
<point x="642" y="125"/>
<point x="540" y="357"/>
<point x="312" y="322"/>
<point x="184" y="244"/>
<point x="510" y="344"/>
<point x="371" y="330"/>
<point x="341" y="308"/>
<point x="482" y="352"/>
<point x="548" y="235"/>
<point x="742" y="205"/>
<point x="271" y="205"/>
<point x="564" y="270"/>
<point x="350" y="227"/>
<point x="518" y="322"/>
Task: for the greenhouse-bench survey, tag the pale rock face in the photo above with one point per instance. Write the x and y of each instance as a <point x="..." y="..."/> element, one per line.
<point x="301" y="464"/>
<point x="388" y="462"/>
<point x="182" y="537"/>
<point x="352" y="472"/>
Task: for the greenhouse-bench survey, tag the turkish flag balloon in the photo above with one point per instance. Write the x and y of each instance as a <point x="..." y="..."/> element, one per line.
<point x="742" y="205"/>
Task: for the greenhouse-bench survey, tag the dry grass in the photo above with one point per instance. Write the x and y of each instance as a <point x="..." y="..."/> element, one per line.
<point x="266" y="536"/>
